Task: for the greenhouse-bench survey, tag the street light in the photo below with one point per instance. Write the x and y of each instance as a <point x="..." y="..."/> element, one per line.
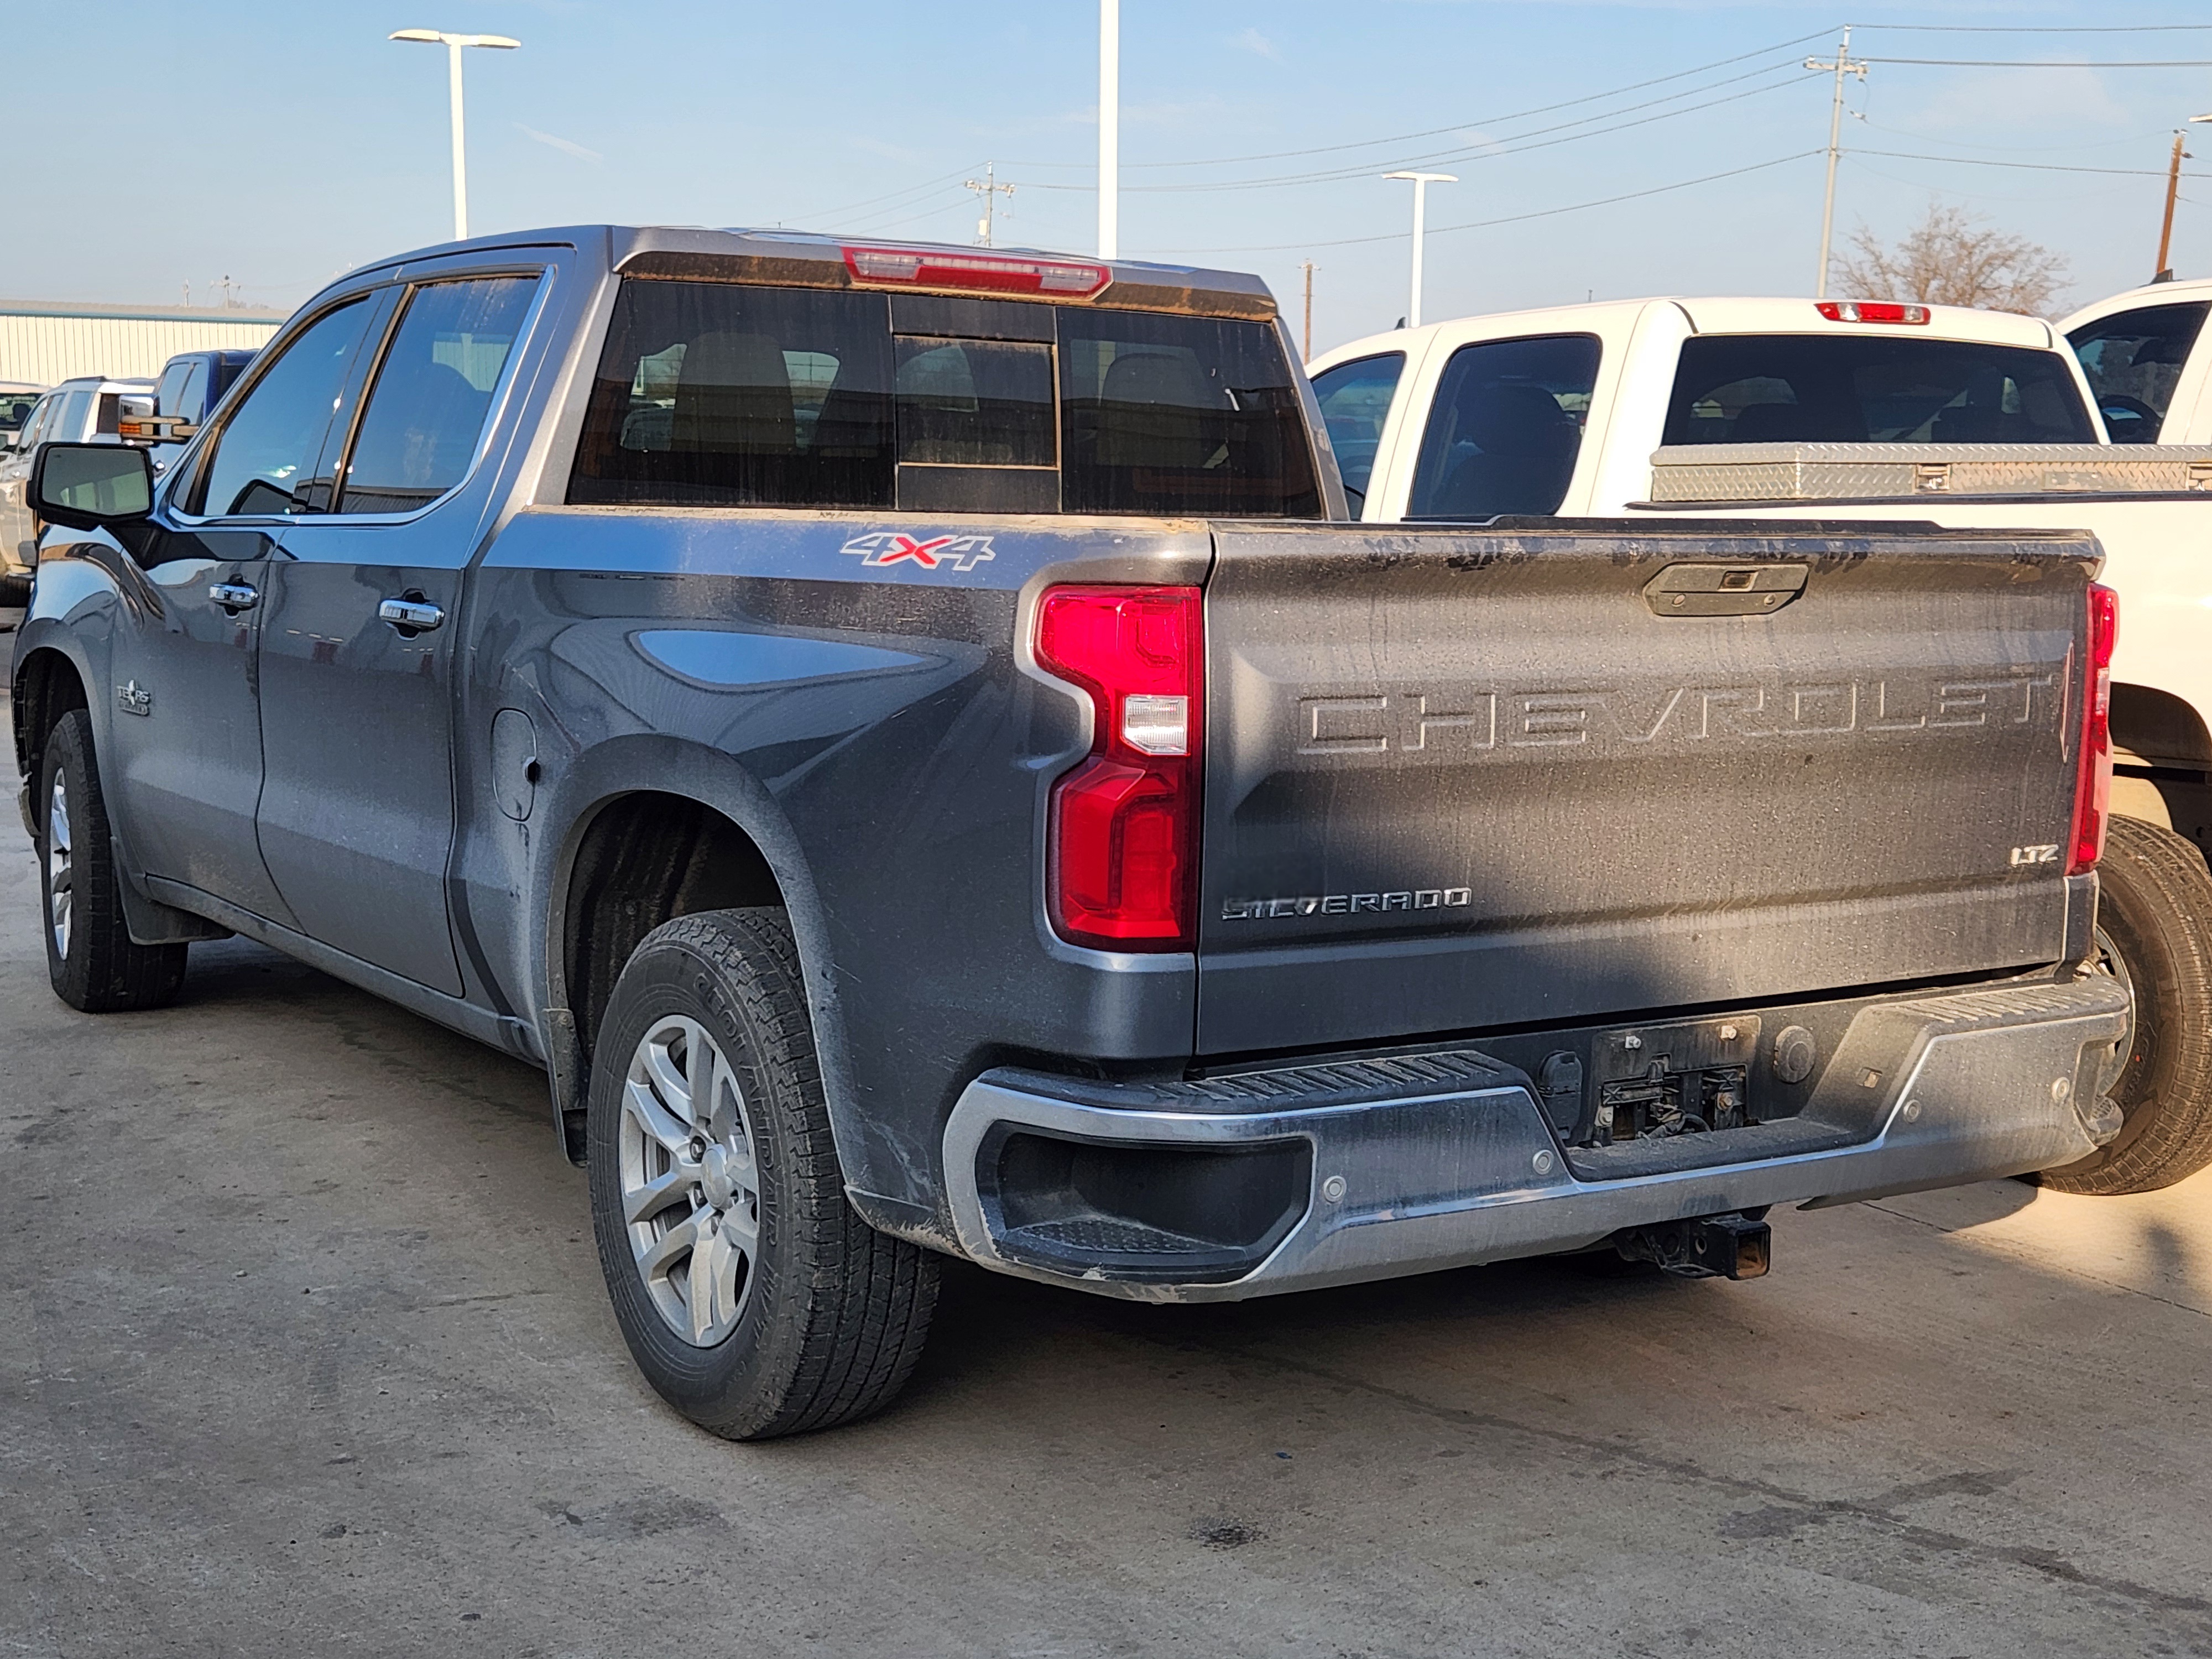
<point x="1109" y="129"/>
<point x="453" y="44"/>
<point x="1421" y="182"/>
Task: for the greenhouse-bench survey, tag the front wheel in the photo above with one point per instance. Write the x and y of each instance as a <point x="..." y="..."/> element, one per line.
<point x="90" y="957"/>
<point x="2154" y="934"/>
<point x="752" y="1295"/>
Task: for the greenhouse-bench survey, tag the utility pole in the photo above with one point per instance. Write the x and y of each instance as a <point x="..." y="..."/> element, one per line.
<point x="2165" y="273"/>
<point x="1109" y="129"/>
<point x="990" y="190"/>
<point x="1306" y="354"/>
<point x="1843" y="66"/>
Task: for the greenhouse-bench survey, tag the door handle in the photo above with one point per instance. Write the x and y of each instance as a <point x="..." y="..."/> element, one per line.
<point x="235" y="597"/>
<point x="411" y="616"/>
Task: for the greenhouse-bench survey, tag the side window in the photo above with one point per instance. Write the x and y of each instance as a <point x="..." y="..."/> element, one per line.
<point x="68" y="426"/>
<point x="193" y="402"/>
<point x="2133" y="361"/>
<point x="267" y="448"/>
<point x="1505" y="428"/>
<point x="433" y="391"/>
<point x="169" y="396"/>
<point x="35" y="430"/>
<point x="1355" y="400"/>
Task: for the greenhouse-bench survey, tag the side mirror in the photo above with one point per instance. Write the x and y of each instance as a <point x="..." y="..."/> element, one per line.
<point x="90" y="486"/>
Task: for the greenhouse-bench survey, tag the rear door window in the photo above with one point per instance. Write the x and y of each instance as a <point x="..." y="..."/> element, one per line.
<point x="1505" y="427"/>
<point x="2133" y="361"/>
<point x="433" y="392"/>
<point x="1791" y="388"/>
<point x="1355" y="400"/>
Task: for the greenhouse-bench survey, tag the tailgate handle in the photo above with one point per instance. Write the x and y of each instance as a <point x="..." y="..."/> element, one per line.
<point x="1723" y="590"/>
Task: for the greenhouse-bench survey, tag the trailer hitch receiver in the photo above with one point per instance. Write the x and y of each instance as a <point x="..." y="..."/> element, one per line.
<point x="1731" y="1246"/>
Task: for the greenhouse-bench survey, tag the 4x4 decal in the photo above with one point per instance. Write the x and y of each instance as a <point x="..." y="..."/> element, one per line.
<point x="937" y="553"/>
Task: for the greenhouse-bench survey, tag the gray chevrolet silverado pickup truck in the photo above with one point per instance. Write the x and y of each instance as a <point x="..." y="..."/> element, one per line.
<point x="903" y="738"/>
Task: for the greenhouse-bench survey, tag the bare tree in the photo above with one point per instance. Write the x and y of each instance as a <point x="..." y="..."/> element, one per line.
<point x="1953" y="258"/>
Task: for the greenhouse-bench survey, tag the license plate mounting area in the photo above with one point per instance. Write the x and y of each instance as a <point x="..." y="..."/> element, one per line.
<point x="1679" y="1077"/>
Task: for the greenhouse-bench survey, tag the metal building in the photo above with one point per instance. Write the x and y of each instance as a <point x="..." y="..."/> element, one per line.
<point x="45" y="342"/>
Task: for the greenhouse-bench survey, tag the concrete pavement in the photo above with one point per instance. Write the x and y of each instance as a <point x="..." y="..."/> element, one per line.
<point x="303" y="1350"/>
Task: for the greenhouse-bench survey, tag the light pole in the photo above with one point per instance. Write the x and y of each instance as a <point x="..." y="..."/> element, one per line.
<point x="1421" y="182"/>
<point x="453" y="44"/>
<point x="1109" y="129"/>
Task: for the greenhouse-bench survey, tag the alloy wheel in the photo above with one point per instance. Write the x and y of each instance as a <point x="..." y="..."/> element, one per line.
<point x="690" y="1182"/>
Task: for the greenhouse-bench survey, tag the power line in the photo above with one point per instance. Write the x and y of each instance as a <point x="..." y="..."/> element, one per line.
<point x="2040" y="28"/>
<point x="2033" y="63"/>
<point x="1474" y="121"/>
<point x="2031" y="166"/>
<point x="1518" y="218"/>
<point x="890" y="197"/>
<point x="1503" y="147"/>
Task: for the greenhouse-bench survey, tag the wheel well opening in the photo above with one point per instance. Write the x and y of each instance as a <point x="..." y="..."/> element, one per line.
<point x="47" y="687"/>
<point x="2158" y="725"/>
<point x="645" y="859"/>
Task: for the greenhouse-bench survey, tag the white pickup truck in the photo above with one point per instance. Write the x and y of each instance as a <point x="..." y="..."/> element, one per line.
<point x="1850" y="410"/>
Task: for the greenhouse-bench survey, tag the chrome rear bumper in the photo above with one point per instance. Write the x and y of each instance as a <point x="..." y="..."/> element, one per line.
<point x="1406" y="1165"/>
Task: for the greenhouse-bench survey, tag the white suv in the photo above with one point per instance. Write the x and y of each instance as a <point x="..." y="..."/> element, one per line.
<point x="87" y="410"/>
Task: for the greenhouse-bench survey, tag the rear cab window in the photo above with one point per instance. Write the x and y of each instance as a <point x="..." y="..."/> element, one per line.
<point x="2133" y="359"/>
<point x="723" y="394"/>
<point x="1355" y="400"/>
<point x="1790" y="388"/>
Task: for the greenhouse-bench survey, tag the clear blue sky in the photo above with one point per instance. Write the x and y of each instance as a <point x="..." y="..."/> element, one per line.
<point x="280" y="143"/>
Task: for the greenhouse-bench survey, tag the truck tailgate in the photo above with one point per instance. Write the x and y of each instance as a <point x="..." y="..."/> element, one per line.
<point x="1462" y="778"/>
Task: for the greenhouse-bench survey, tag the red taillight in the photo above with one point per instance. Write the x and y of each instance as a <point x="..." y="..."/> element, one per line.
<point x="1871" y="311"/>
<point x="977" y="273"/>
<point x="2093" y="788"/>
<point x="1123" y="847"/>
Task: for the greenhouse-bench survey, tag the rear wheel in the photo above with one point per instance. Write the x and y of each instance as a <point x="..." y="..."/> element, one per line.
<point x="2155" y="934"/>
<point x="752" y="1295"/>
<point x="90" y="957"/>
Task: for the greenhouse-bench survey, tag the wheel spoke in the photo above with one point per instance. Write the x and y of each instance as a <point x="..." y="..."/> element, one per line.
<point x="675" y="1086"/>
<point x="658" y="1122"/>
<point x="642" y="1203"/>
<point x="654" y="1261"/>
<point x="702" y="1298"/>
<point x="741" y="1225"/>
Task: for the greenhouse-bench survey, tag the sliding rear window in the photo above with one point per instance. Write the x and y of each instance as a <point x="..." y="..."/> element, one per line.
<point x="1789" y="388"/>
<point x="717" y="394"/>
